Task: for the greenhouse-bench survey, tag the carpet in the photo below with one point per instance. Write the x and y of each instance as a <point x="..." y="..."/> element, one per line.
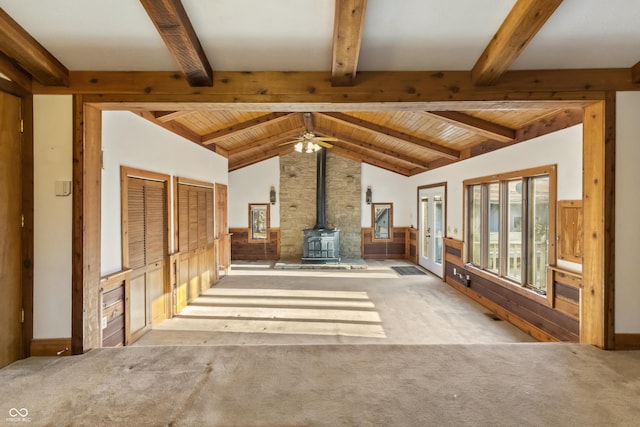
<point x="362" y="385"/>
<point x="408" y="271"/>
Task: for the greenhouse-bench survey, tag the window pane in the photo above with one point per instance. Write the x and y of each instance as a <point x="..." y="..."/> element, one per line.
<point x="514" y="239"/>
<point x="259" y="222"/>
<point x="475" y="217"/>
<point x="381" y="221"/>
<point x="493" y="260"/>
<point x="438" y="218"/>
<point x="538" y="215"/>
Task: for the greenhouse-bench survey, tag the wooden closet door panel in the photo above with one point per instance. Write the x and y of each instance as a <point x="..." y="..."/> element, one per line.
<point x="155" y="222"/>
<point x="183" y="218"/>
<point x="10" y="230"/>
<point x="136" y="223"/>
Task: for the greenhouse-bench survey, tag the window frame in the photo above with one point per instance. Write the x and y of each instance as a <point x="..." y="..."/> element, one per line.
<point x="503" y="179"/>
<point x="250" y="229"/>
<point x="373" y="222"/>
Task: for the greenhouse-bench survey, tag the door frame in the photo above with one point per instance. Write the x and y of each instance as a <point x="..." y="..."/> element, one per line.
<point x="444" y="221"/>
<point x="26" y="102"/>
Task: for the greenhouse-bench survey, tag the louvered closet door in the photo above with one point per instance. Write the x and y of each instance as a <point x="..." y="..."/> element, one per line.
<point x="156" y="238"/>
<point x="136" y="245"/>
<point x="147" y="240"/>
<point x="195" y="242"/>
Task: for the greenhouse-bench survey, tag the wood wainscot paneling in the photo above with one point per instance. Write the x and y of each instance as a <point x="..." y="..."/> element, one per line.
<point x="533" y="314"/>
<point x="114" y="299"/>
<point x="411" y="245"/>
<point x="394" y="248"/>
<point x="244" y="250"/>
<point x="51" y="347"/>
<point x="564" y="291"/>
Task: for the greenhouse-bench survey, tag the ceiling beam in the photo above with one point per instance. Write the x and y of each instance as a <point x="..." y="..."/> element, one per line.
<point x="167" y="116"/>
<point x="347" y="37"/>
<point x="268" y="119"/>
<point x="15" y="73"/>
<point x="31" y="56"/>
<point x="175" y="28"/>
<point x="523" y="22"/>
<point x="559" y="120"/>
<point x="358" y="157"/>
<point x="437" y="90"/>
<point x="264" y="155"/>
<point x="344" y="137"/>
<point x="270" y="140"/>
<point x="476" y="125"/>
<point x="385" y="131"/>
<point x="635" y="73"/>
<point x="174" y="127"/>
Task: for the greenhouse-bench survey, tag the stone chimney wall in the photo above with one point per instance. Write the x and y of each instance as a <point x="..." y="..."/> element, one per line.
<point x="298" y="202"/>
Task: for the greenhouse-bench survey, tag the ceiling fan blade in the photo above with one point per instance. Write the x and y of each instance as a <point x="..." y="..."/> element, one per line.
<point x="325" y="138"/>
<point x="288" y="142"/>
<point x="324" y="144"/>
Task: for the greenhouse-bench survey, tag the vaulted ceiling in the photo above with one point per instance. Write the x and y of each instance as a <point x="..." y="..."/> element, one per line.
<point x="46" y="46"/>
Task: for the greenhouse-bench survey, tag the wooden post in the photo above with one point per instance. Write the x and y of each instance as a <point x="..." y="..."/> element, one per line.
<point x="597" y="300"/>
<point x="85" y="292"/>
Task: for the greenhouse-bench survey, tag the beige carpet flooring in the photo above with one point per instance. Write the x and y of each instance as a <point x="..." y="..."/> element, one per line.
<point x="329" y="385"/>
<point x="328" y="349"/>
<point x="256" y="304"/>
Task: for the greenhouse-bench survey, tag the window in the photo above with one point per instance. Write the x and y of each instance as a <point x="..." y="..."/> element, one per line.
<point x="510" y="225"/>
<point x="382" y="220"/>
<point x="258" y="222"/>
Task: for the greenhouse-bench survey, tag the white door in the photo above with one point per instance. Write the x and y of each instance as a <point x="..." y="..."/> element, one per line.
<point x="431" y="229"/>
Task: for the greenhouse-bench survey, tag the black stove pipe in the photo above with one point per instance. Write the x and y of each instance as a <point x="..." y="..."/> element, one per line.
<point x="321" y="190"/>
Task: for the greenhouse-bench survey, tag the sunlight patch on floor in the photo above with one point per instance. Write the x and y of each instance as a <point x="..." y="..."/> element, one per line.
<point x="280" y="311"/>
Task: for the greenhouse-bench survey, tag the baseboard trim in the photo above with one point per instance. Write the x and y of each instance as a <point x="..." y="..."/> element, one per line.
<point x="627" y="342"/>
<point x="501" y="312"/>
<point x="51" y="347"/>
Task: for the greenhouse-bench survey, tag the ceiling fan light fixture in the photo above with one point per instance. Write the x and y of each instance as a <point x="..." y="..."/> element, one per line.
<point x="298" y="147"/>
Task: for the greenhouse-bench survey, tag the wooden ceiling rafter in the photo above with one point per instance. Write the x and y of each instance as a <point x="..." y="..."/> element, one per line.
<point x="167" y="116"/>
<point x="344" y="137"/>
<point x="15" y="73"/>
<point x="180" y="130"/>
<point x="476" y="125"/>
<point x="522" y="23"/>
<point x="258" y="122"/>
<point x="559" y="120"/>
<point x="438" y="149"/>
<point x="270" y="140"/>
<point x="176" y="30"/>
<point x="263" y="155"/>
<point x="25" y="51"/>
<point x="347" y="37"/>
<point x="340" y="150"/>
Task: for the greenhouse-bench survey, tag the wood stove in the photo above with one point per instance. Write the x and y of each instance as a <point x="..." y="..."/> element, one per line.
<point x="321" y="244"/>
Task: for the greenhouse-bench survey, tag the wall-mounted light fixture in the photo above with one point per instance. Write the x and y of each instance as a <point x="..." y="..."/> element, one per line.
<point x="368" y="195"/>
<point x="272" y="195"/>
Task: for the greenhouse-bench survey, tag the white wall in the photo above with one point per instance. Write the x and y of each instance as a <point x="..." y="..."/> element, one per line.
<point x="53" y="136"/>
<point x="627" y="237"/>
<point x="252" y="184"/>
<point x="387" y="187"/>
<point x="129" y="140"/>
<point x="563" y="148"/>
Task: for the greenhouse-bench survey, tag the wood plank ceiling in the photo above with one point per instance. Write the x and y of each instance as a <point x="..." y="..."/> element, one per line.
<point x="406" y="142"/>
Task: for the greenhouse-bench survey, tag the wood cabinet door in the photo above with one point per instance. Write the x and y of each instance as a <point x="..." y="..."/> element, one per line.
<point x="10" y="230"/>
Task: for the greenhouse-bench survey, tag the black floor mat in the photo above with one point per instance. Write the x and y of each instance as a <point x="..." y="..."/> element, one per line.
<point x="408" y="271"/>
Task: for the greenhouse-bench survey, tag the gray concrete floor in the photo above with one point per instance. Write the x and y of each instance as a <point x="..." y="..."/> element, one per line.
<point x="257" y="304"/>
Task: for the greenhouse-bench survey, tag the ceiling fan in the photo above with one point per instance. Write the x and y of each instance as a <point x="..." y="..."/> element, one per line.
<point x="309" y="142"/>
